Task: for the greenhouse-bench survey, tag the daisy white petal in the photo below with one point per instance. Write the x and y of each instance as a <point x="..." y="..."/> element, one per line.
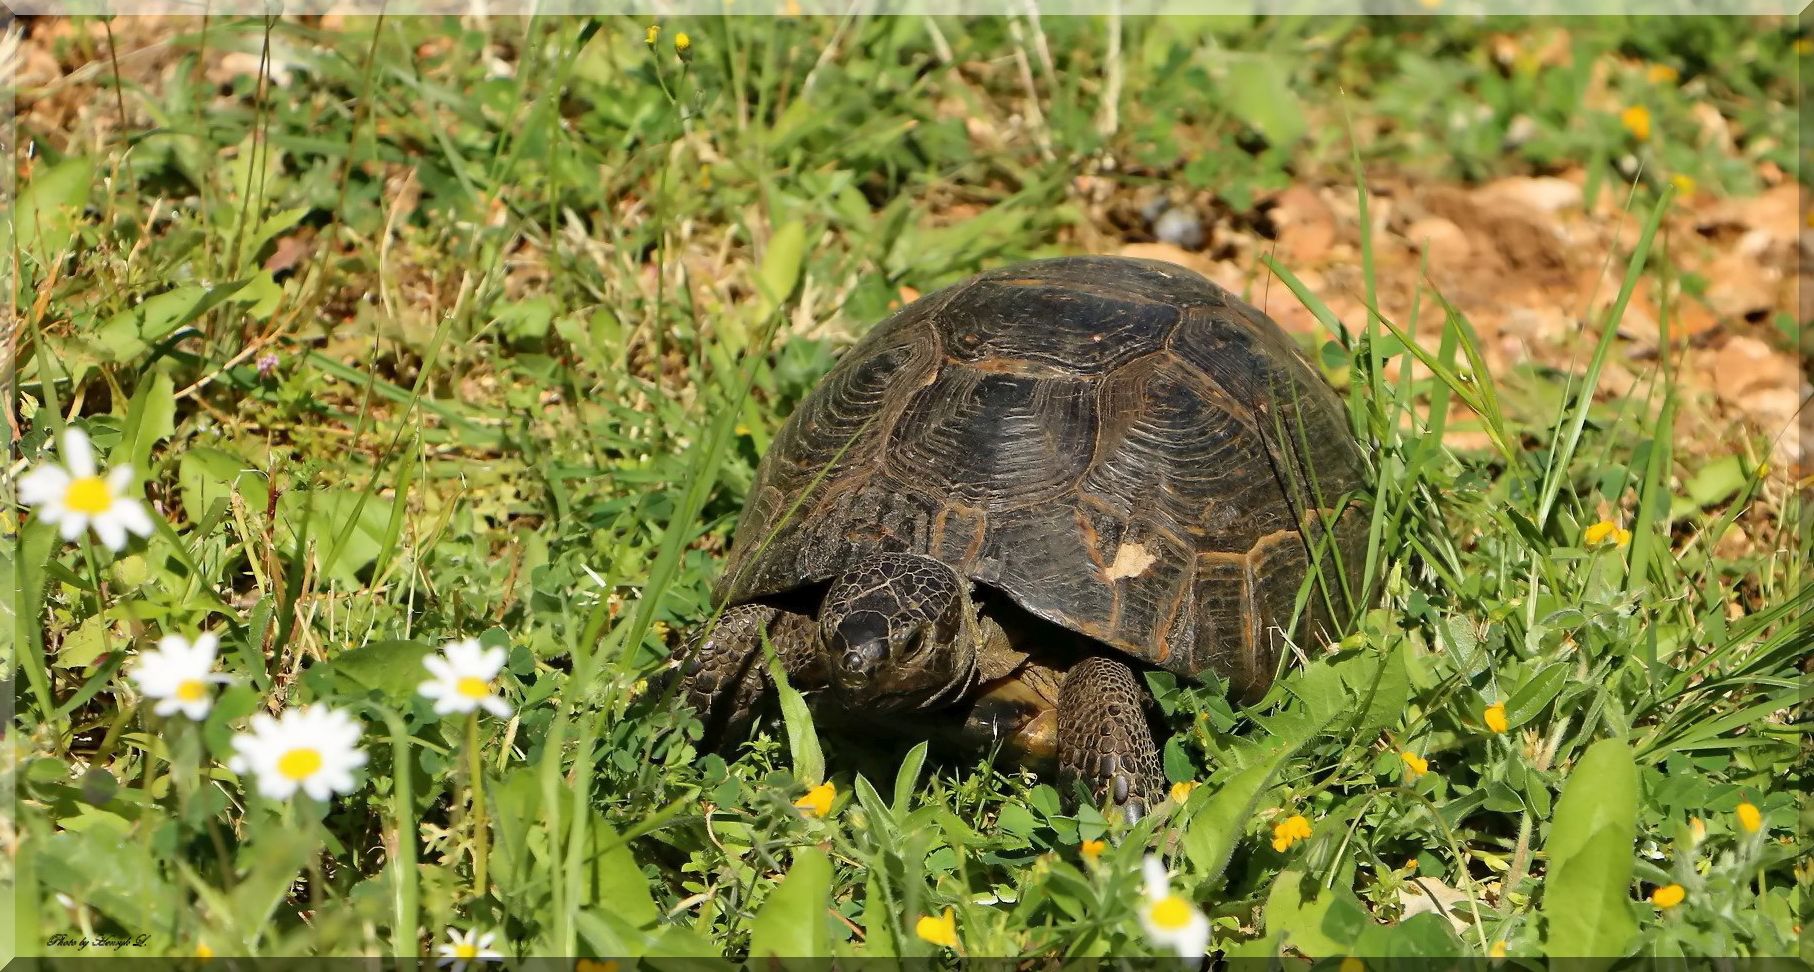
<point x="78" y="452"/>
<point x="72" y="525"/>
<point x="131" y="514"/>
<point x="112" y="534"/>
<point x="42" y="485"/>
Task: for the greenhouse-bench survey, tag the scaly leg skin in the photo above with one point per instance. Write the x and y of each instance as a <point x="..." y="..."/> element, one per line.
<point x="1104" y="740"/>
<point x="724" y="677"/>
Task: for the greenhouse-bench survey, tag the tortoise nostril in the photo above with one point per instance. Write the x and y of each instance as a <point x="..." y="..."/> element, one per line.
<point x="865" y="656"/>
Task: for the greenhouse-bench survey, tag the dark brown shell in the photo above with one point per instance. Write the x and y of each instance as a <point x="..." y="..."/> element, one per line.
<point x="1119" y="445"/>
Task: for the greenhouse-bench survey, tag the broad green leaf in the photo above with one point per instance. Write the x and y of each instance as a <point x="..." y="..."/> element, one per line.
<point x="878" y="923"/>
<point x="44" y="217"/>
<point x="112" y="873"/>
<point x="780" y="270"/>
<point x="273" y="224"/>
<point x="1259" y="93"/>
<point x="617" y="880"/>
<point x="1718" y="481"/>
<point x="126" y="336"/>
<point x="906" y="779"/>
<point x="279" y="854"/>
<point x="328" y="512"/>
<point x="1586" y="896"/>
<point x="207" y="475"/>
<point x="1533" y="696"/>
<point x="802" y="738"/>
<point x="791" y="923"/>
<point x="606" y="933"/>
<point x="1317" y="921"/>
<point x="1382" y="681"/>
<point x="1211" y="835"/>
<point x="150" y="419"/>
<point x="86" y="643"/>
<point x="1419" y="936"/>
<point x="392" y="667"/>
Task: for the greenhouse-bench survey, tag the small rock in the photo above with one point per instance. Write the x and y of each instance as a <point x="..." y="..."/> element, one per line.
<point x="1740" y="286"/>
<point x="1543" y="194"/>
<point x="1441" y="239"/>
<point x="1306" y="226"/>
<point x="1536" y="324"/>
<point x="1521" y="130"/>
<point x="1180" y="226"/>
<point x="1746" y="364"/>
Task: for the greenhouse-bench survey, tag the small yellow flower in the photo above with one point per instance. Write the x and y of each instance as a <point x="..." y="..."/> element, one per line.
<point x="1092" y="849"/>
<point x="1495" y="717"/>
<point x="1606" y="529"/>
<point x="1636" y="120"/>
<point x="1803" y="46"/>
<point x="1410" y="866"/>
<point x="203" y="952"/>
<point x="938" y="931"/>
<point x="1668" y="896"/>
<point x="1498" y="949"/>
<point x="1661" y="74"/>
<point x="594" y="965"/>
<point x="1181" y="791"/>
<point x="1697" y="829"/>
<point x="1749" y="818"/>
<point x="1289" y="831"/>
<point x="1352" y="964"/>
<point x="651" y="34"/>
<point x="1416" y="764"/>
<point x="683" y="45"/>
<point x="1683" y="182"/>
<point x="817" y="800"/>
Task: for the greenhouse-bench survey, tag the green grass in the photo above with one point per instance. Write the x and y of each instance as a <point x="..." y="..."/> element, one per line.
<point x="548" y="319"/>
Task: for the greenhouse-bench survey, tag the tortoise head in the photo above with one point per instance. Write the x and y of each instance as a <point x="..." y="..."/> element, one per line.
<point x="898" y="634"/>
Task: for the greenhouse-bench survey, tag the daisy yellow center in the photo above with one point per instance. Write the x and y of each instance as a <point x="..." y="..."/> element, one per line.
<point x="466" y="950"/>
<point x="1170" y="913"/>
<point x="191" y="690"/>
<point x="473" y="688"/>
<point x="299" y="764"/>
<point x="88" y="495"/>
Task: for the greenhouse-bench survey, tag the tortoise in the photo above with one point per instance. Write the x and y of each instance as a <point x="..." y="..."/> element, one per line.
<point x="1017" y="494"/>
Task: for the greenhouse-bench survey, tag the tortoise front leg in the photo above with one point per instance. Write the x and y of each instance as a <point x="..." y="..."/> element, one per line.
<point x="1103" y="738"/>
<point x="724" y="677"/>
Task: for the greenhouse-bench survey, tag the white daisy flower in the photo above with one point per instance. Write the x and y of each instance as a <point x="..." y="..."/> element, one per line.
<point x="1170" y="921"/>
<point x="177" y="673"/>
<point x="78" y="497"/>
<point x="314" y="749"/>
<point x="464" y="948"/>
<point x="463" y="675"/>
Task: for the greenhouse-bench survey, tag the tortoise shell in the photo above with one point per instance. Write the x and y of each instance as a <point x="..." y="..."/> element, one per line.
<point x="1120" y="446"/>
